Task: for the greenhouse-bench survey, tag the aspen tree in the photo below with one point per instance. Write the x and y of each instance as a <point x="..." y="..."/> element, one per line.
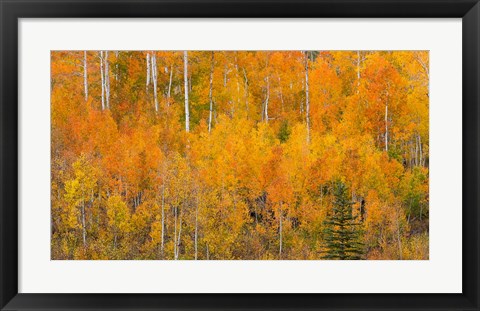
<point x="280" y="229"/>
<point x="85" y="78"/>
<point x="170" y="85"/>
<point x="185" y="79"/>
<point x="267" y="99"/>
<point x="358" y="72"/>
<point x="210" y="93"/>
<point x="147" y="81"/>
<point x="107" y="81"/>
<point x="117" y="73"/>
<point x="132" y="184"/>
<point x="154" y="78"/>
<point x="386" y="126"/>
<point x="196" y="226"/>
<point x="307" y="98"/>
<point x="162" y="248"/>
<point x="102" y="79"/>
<point x="386" y="119"/>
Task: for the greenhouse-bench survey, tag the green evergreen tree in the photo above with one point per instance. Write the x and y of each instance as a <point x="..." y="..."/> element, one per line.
<point x="342" y="233"/>
<point x="284" y="131"/>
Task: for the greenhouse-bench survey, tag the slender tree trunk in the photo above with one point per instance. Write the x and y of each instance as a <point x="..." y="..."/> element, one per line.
<point x="117" y="72"/>
<point x="107" y="81"/>
<point x="225" y="79"/>
<point x="416" y="150"/>
<point x="175" y="235"/>
<point x="147" y="82"/>
<point x="103" y="80"/>
<point x="238" y="79"/>
<point x="185" y="79"/>
<point x="162" y="247"/>
<point x="358" y="72"/>
<point x="196" y="229"/>
<point x="84" y="228"/>
<point x="307" y="99"/>
<point x="267" y="99"/>
<point x="421" y="151"/>
<point x="280" y="232"/>
<point x="210" y="93"/>
<point x="301" y="102"/>
<point x="85" y="78"/>
<point x="170" y="85"/>
<point x="154" y="78"/>
<point x="386" y="127"/>
<point x="179" y="237"/>
<point x="412" y="158"/>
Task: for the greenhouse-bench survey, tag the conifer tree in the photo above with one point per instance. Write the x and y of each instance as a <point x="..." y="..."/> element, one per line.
<point x="342" y="233"/>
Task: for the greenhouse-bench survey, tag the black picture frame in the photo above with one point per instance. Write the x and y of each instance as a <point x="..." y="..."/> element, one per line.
<point x="11" y="11"/>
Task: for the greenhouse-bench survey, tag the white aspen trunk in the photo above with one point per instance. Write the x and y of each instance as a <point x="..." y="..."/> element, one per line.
<point x="238" y="79"/>
<point x="196" y="230"/>
<point x="154" y="78"/>
<point x="421" y="152"/>
<point x="416" y="150"/>
<point x="280" y="229"/>
<point x="358" y="71"/>
<point x="84" y="229"/>
<point x="386" y="127"/>
<point x="148" y="72"/>
<point x="179" y="237"/>
<point x="85" y="77"/>
<point x="411" y="154"/>
<point x="175" y="235"/>
<point x="185" y="78"/>
<point x="301" y="102"/>
<point x="307" y="99"/>
<point x="399" y="240"/>
<point x="103" y="82"/>
<point x="116" y="66"/>
<point x="107" y="81"/>
<point x="162" y="247"/>
<point x="225" y="79"/>
<point x="267" y="99"/>
<point x="210" y="93"/>
<point x="170" y="85"/>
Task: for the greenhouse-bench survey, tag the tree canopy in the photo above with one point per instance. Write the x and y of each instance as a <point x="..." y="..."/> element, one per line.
<point x="239" y="154"/>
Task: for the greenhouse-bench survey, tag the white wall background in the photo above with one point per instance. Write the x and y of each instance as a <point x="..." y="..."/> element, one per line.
<point x="442" y="273"/>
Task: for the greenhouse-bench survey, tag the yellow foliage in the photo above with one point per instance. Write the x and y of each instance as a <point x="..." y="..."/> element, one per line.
<point x="252" y="178"/>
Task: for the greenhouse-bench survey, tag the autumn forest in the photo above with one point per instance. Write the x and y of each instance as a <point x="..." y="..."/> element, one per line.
<point x="239" y="155"/>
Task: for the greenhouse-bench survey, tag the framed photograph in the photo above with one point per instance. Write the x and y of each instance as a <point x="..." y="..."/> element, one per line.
<point x="170" y="155"/>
